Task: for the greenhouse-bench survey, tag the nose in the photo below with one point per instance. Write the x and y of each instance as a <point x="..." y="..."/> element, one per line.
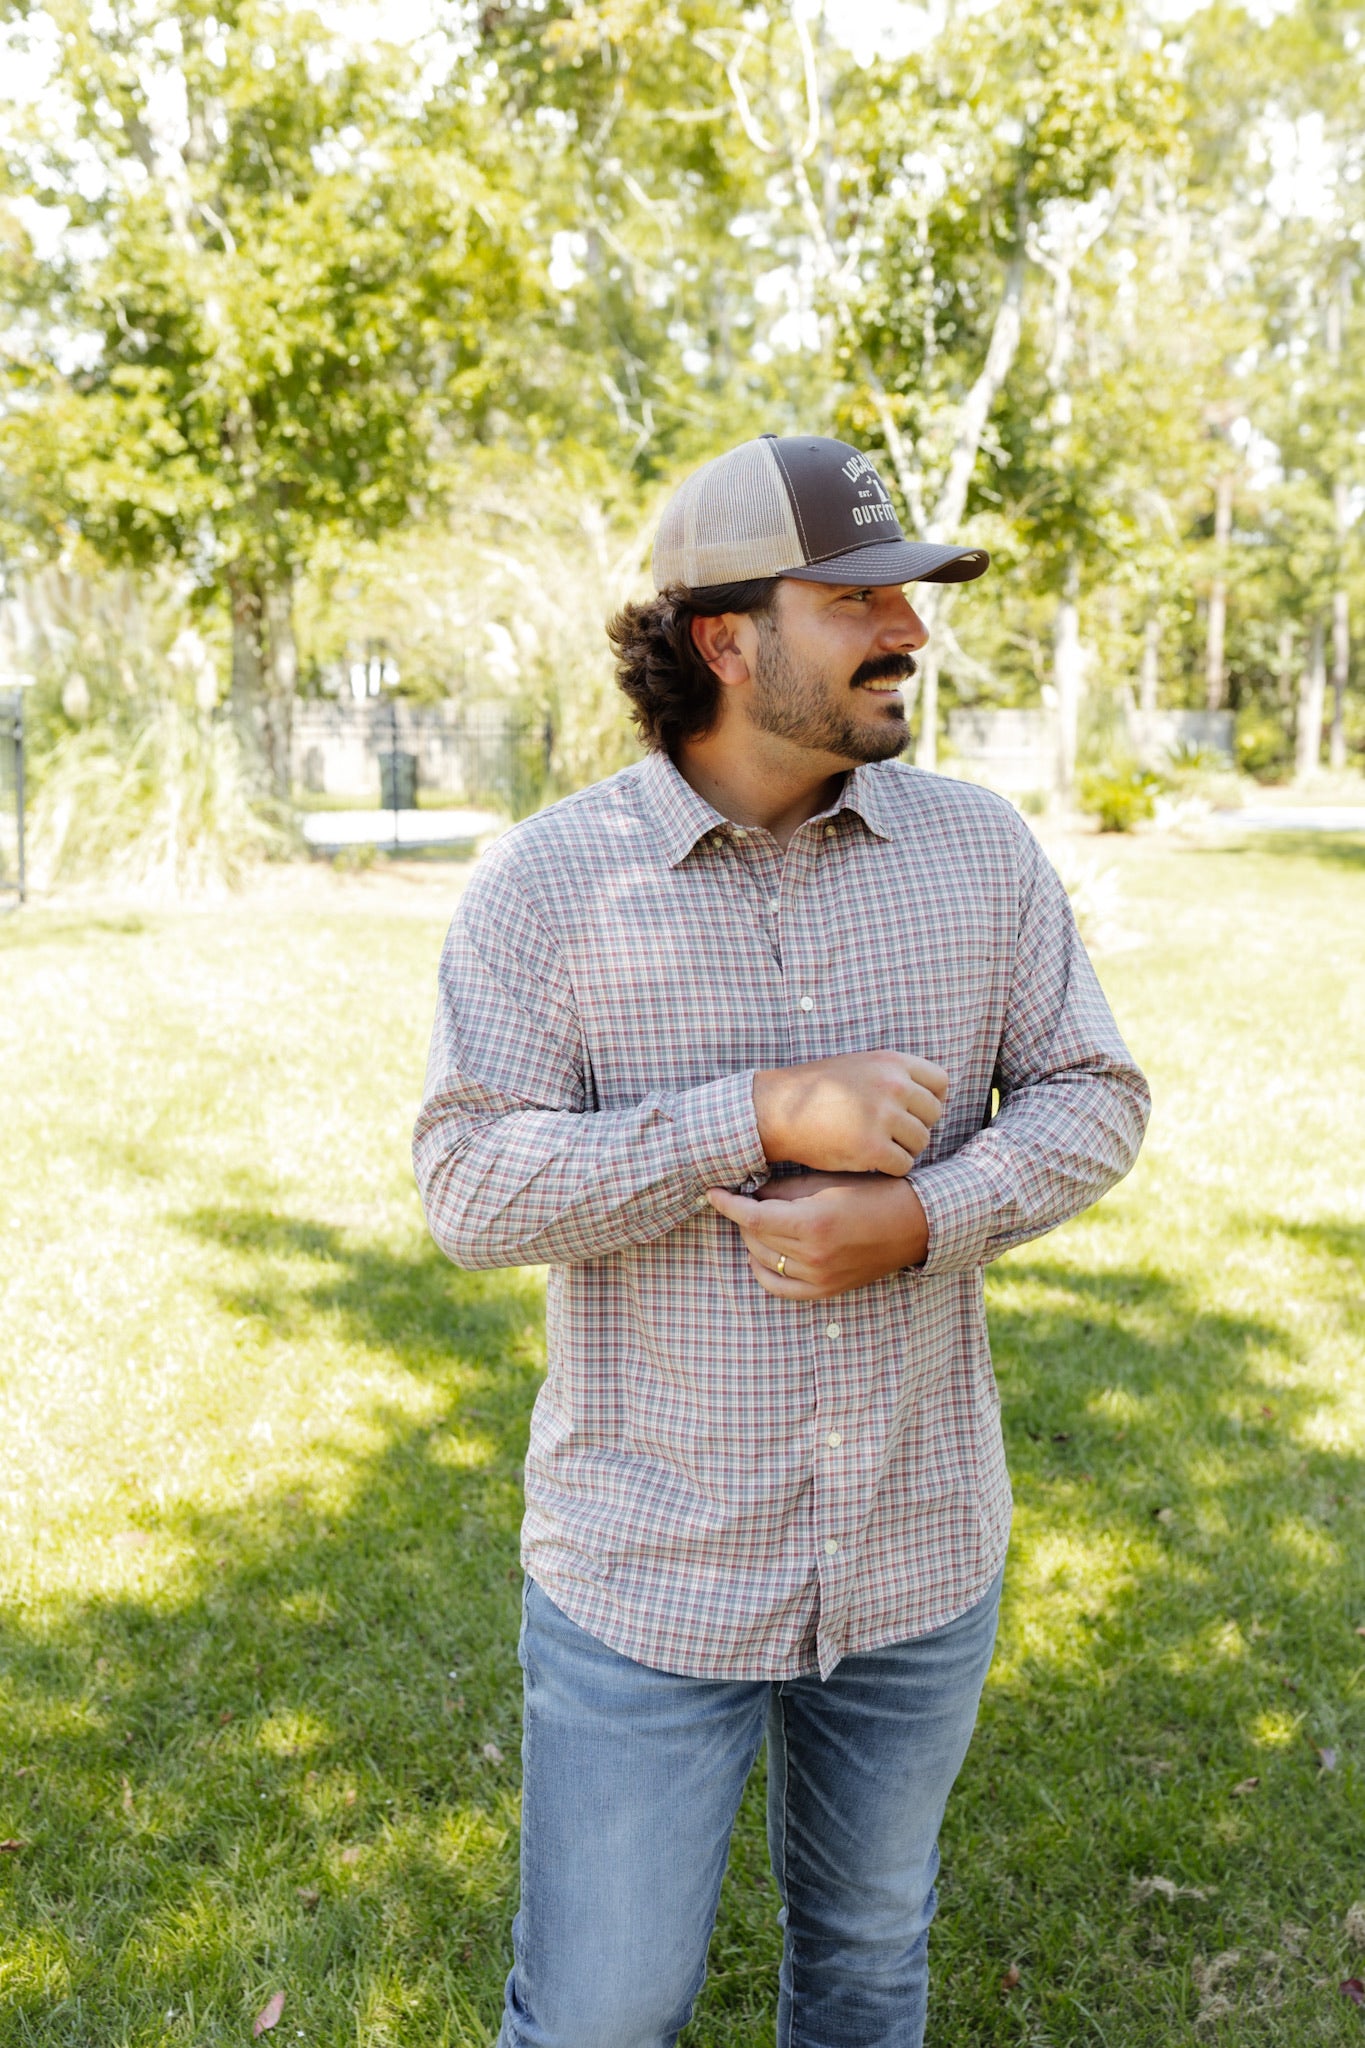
<point x="902" y="627"/>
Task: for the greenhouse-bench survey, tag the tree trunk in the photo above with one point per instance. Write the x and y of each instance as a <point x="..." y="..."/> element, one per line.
<point x="1312" y="694"/>
<point x="281" y="676"/>
<point x="1150" y="678"/>
<point x="1068" y="677"/>
<point x="264" y="672"/>
<point x="1284" y="664"/>
<point x="246" y="691"/>
<point x="976" y="407"/>
<point x="1341" y="668"/>
<point x="926" y="746"/>
<point x="1218" y="595"/>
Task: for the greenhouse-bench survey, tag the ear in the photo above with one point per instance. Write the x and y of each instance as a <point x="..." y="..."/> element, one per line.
<point x="718" y="642"/>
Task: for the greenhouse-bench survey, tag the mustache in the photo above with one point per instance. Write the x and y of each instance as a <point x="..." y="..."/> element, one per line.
<point x="889" y="668"/>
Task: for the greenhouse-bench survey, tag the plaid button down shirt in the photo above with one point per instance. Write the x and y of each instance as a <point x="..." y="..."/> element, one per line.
<point x="720" y="1482"/>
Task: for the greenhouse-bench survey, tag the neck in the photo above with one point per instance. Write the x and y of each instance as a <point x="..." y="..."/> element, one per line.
<point x="768" y="783"/>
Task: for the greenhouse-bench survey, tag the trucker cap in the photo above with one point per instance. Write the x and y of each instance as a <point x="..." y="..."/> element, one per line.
<point x="799" y="506"/>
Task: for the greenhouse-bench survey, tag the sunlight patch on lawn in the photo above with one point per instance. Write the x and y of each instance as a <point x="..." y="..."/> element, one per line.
<point x="1117" y="1405"/>
<point x="1276" y="1730"/>
<point x="462" y="1453"/>
<point x="293" y="1732"/>
<point x="1307" y="1545"/>
<point x="1059" y="1583"/>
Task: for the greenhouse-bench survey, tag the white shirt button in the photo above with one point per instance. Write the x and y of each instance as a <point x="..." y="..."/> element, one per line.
<point x="806" y="1003"/>
<point x="834" y="1439"/>
<point x="831" y="1547"/>
<point x="830" y="831"/>
<point x="831" y="1330"/>
<point x="775" y="905"/>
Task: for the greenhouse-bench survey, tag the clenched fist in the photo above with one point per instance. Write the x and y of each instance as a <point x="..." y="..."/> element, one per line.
<point x="863" y="1112"/>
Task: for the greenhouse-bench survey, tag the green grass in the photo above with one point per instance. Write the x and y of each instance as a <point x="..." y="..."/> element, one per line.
<point x="261" y="1500"/>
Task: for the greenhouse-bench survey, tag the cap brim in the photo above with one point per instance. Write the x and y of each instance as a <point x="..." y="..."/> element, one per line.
<point x="897" y="561"/>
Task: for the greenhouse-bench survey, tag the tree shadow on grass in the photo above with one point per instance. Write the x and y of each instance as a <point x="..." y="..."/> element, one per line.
<point x="1185" y="1577"/>
<point x="291" y="1762"/>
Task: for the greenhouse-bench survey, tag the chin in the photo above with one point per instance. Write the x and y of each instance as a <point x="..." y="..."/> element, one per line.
<point x="881" y="742"/>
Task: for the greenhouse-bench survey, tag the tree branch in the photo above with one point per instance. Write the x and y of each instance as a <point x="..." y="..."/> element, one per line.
<point x="1005" y="331"/>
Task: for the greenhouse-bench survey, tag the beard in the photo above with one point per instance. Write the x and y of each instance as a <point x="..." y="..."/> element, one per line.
<point x="803" y="704"/>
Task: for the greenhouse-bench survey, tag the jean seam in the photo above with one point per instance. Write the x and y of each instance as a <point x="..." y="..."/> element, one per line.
<point x="783" y="1878"/>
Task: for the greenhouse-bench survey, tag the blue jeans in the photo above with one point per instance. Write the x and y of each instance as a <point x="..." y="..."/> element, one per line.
<point x="632" y="1782"/>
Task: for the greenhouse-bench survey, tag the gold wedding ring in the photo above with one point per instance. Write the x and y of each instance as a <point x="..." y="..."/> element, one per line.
<point x="782" y="1263"/>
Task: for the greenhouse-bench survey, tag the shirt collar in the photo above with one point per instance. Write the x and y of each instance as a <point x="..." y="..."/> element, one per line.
<point x="680" y="815"/>
<point x="868" y="793"/>
<point x="683" y="817"/>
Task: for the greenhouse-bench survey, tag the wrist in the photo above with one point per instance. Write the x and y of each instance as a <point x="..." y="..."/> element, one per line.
<point x="767" y="1096"/>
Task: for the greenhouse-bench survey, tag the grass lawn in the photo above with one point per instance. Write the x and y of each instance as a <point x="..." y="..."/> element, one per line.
<point x="259" y="1717"/>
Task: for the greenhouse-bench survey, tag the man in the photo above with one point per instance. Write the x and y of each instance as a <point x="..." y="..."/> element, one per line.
<point x="766" y="1490"/>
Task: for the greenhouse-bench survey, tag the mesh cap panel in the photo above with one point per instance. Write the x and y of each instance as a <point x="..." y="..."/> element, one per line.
<point x="731" y="520"/>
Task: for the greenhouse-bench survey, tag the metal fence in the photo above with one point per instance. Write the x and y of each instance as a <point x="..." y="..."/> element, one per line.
<point x="12" y="881"/>
<point x="355" y="750"/>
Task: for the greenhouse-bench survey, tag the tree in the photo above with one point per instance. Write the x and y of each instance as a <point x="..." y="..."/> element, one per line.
<point x="1002" y="149"/>
<point x="288" y="277"/>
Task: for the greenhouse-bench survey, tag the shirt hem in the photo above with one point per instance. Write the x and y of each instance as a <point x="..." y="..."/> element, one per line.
<point x="587" y="1615"/>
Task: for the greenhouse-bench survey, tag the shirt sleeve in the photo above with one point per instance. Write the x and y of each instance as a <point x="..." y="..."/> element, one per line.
<point x="1073" y="1104"/>
<point x="514" y="1163"/>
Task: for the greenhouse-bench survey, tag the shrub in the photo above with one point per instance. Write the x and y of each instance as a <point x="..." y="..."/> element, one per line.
<point x="1119" y="798"/>
<point x="1264" y="745"/>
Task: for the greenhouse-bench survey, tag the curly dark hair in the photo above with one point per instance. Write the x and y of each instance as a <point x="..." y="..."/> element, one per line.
<point x="673" y="694"/>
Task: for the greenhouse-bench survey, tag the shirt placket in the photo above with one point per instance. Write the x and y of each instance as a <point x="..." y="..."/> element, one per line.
<point x="805" y="878"/>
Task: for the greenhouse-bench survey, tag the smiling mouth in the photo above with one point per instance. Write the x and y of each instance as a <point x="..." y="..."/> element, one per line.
<point x="888" y="676"/>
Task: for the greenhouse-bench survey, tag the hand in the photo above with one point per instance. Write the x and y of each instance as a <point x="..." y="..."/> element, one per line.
<point x="862" y="1112"/>
<point x="845" y="1231"/>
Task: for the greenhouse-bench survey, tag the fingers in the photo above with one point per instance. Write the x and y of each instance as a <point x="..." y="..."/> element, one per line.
<point x="892" y="1159"/>
<point x="759" y="1224"/>
<point x="764" y="1263"/>
<point x="923" y="1103"/>
<point x="771" y="1223"/>
<point x="908" y="1132"/>
<point x="929" y="1076"/>
<point x="785" y="1285"/>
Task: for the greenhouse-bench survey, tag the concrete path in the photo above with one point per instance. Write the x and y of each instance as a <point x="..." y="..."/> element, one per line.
<point x="331" y="831"/>
<point x="1298" y="818"/>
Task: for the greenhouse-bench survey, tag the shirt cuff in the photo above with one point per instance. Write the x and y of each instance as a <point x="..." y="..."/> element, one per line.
<point x="718" y="1132"/>
<point x="961" y="1205"/>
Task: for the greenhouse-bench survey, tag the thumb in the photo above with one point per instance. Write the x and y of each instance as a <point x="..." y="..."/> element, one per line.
<point x="738" y="1208"/>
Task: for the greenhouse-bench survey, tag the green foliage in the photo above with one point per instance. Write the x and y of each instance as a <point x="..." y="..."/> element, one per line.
<point x="279" y="290"/>
<point x="1120" y="798"/>
<point x="1264" y="748"/>
<point x="284" y="294"/>
<point x="500" y="607"/>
